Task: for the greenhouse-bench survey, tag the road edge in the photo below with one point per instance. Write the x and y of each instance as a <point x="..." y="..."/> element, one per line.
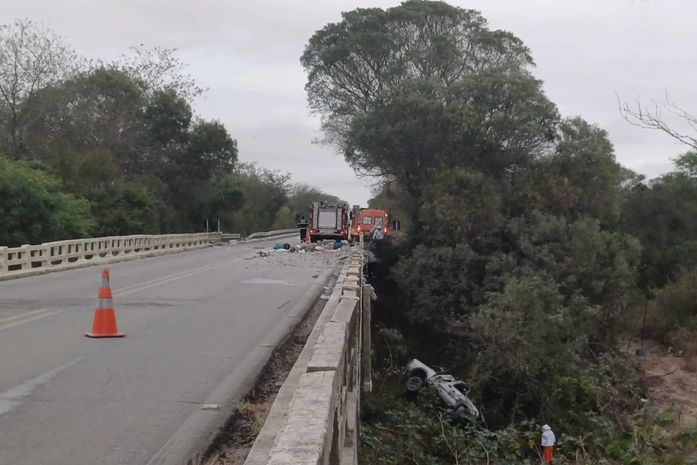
<point x="195" y="434"/>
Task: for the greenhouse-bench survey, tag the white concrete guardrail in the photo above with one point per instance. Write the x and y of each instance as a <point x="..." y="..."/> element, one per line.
<point x="315" y="416"/>
<point x="279" y="232"/>
<point x="29" y="260"/>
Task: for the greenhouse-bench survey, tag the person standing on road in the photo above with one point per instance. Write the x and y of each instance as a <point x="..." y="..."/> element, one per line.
<point x="371" y="260"/>
<point x="548" y="441"/>
<point x="302" y="225"/>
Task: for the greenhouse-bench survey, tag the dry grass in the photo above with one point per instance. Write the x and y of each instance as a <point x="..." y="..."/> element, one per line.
<point x="671" y="381"/>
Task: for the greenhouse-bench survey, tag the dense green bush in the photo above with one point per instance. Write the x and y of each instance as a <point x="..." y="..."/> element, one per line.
<point x="34" y="209"/>
<point x="672" y="313"/>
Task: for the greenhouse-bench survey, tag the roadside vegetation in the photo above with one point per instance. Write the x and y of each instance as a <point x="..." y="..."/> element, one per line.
<point x="528" y="256"/>
<point x="91" y="148"/>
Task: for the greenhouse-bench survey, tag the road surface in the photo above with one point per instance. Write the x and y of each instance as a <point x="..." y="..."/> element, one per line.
<point x="190" y="320"/>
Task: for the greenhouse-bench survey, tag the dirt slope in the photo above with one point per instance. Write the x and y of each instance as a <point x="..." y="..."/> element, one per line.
<point x="671" y="381"/>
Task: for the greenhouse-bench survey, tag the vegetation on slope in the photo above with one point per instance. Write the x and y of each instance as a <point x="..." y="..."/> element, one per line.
<point x="529" y="251"/>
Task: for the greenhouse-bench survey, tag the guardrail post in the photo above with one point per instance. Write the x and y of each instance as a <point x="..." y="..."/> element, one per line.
<point x="3" y="259"/>
<point x="46" y="258"/>
<point x="366" y="359"/>
<point x="26" y="256"/>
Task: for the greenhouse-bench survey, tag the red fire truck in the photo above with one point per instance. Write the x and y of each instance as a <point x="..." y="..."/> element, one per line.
<point x="328" y="222"/>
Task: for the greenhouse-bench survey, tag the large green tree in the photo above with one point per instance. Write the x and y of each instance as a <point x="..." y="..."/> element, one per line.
<point x="425" y="86"/>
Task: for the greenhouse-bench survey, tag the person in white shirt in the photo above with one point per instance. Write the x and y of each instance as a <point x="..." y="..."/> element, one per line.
<point x="548" y="441"/>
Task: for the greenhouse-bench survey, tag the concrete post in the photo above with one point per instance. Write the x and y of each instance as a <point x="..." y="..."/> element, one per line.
<point x="26" y="256"/>
<point x="3" y="259"/>
<point x="366" y="361"/>
<point x="46" y="255"/>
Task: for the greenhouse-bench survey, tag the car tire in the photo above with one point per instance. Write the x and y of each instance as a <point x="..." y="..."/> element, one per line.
<point x="463" y="413"/>
<point x="414" y="383"/>
<point x="458" y="414"/>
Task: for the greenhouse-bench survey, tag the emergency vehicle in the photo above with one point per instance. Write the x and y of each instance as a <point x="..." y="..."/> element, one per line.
<point x="368" y="221"/>
<point x="328" y="222"/>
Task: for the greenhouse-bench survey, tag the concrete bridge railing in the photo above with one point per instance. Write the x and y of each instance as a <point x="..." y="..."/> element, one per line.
<point x="315" y="417"/>
<point x="28" y="260"/>
<point x="278" y="232"/>
<point x="37" y="259"/>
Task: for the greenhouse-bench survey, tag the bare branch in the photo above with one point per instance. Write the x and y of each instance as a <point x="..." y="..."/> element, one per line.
<point x="456" y="456"/>
<point x="31" y="57"/>
<point x="642" y="117"/>
<point x="159" y="69"/>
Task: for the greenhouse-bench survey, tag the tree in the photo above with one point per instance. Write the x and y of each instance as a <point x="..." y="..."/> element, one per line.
<point x="210" y="150"/>
<point x="397" y="202"/>
<point x="438" y="283"/>
<point x="663" y="215"/>
<point x="158" y="70"/>
<point x="168" y="117"/>
<point x="31" y="58"/>
<point x="101" y="108"/>
<point x="265" y="192"/>
<point x="686" y="165"/>
<point x="302" y="195"/>
<point x="422" y="87"/>
<point x="34" y="209"/>
<point x="352" y="63"/>
<point x="217" y="198"/>
<point x="133" y="206"/>
<point x="460" y="207"/>
<point x="583" y="176"/>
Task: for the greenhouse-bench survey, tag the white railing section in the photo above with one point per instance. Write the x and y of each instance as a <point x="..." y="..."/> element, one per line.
<point x="278" y="232"/>
<point x="80" y="251"/>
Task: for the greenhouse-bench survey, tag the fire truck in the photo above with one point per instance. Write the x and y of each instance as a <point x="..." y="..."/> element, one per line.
<point x="328" y="222"/>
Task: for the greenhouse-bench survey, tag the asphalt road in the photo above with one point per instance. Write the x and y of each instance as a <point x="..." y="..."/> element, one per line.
<point x="190" y="320"/>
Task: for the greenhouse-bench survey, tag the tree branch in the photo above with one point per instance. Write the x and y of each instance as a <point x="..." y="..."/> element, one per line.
<point x="642" y="117"/>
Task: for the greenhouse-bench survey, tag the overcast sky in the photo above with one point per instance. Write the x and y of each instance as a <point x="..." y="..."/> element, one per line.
<point x="247" y="54"/>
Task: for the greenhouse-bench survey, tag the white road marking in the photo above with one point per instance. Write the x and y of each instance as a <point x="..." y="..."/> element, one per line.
<point x="42" y="313"/>
<point x="21" y="315"/>
<point x="12" y="398"/>
<point x="167" y="279"/>
<point x="164" y="280"/>
<point x="28" y="320"/>
<point x="155" y="281"/>
<point x="267" y="281"/>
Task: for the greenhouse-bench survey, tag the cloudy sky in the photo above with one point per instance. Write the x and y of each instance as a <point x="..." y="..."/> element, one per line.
<point x="246" y="53"/>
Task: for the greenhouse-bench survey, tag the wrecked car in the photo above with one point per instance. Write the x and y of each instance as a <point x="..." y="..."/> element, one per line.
<point x="452" y="392"/>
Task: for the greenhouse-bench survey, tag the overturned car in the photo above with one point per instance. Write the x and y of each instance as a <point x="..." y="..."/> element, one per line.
<point x="451" y="391"/>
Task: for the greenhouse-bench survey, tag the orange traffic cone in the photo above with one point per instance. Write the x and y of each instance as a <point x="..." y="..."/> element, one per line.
<point x="104" y="324"/>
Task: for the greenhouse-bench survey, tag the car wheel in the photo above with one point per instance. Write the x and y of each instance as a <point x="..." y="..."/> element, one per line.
<point x="414" y="383"/>
<point x="458" y="414"/>
<point x="465" y="412"/>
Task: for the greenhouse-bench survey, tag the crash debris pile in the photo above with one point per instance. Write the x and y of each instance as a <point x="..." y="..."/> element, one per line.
<point x="304" y="247"/>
